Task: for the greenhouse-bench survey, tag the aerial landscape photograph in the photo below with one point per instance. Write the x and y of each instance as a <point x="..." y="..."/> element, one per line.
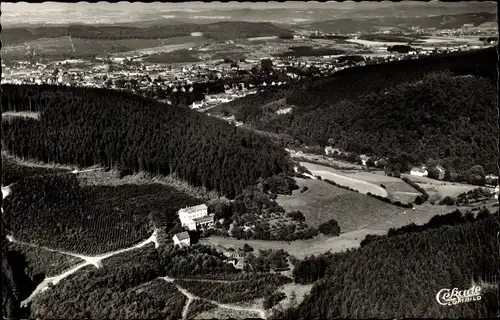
<point x="240" y="160"/>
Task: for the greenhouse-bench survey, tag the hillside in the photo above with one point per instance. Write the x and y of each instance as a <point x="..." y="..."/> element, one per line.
<point x="85" y="127"/>
<point x="446" y="21"/>
<point x="218" y="31"/>
<point x="441" y="100"/>
<point x="398" y="277"/>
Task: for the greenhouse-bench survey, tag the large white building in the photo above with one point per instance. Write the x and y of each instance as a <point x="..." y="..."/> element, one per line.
<point x="194" y="217"/>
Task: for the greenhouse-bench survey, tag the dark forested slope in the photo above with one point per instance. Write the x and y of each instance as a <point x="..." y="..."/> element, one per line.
<point x="92" y="126"/>
<point x="218" y="31"/>
<point x="442" y="107"/>
<point x="399" y="276"/>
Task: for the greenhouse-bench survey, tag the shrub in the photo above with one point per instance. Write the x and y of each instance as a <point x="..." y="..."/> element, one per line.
<point x="449" y="201"/>
<point x="331" y="227"/>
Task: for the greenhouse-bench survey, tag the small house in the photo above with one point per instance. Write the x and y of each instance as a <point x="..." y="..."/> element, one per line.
<point x="419" y="172"/>
<point x="441" y="172"/>
<point x="182" y="239"/>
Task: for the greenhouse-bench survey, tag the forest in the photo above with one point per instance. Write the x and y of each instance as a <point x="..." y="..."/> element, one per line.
<point x="420" y="109"/>
<point x="398" y="276"/>
<point x="85" y="127"/>
<point x="74" y="220"/>
<point x="218" y="31"/>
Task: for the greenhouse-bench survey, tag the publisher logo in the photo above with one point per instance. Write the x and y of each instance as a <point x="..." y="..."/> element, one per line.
<point x="447" y="297"/>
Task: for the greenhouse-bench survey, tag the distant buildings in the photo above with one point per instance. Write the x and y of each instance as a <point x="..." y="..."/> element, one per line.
<point x="196" y="217"/>
<point x="182" y="239"/>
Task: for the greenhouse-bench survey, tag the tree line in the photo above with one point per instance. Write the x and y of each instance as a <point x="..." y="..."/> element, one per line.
<point x="217" y="31"/>
<point x="378" y="278"/>
<point x="86" y="127"/>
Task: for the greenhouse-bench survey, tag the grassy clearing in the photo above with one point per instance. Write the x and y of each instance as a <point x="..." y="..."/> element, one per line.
<point x="93" y="46"/>
<point x="43" y="261"/>
<point x="338" y="177"/>
<point x="439" y="189"/>
<point x="322" y="202"/>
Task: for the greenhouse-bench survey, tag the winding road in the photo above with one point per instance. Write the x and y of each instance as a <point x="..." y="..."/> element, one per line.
<point x="89" y="260"/>
<point x="191" y="297"/>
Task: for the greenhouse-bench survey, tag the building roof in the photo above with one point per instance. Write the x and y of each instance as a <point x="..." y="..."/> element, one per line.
<point x="203" y="219"/>
<point x="417" y="169"/>
<point x="182" y="236"/>
<point x="194" y="208"/>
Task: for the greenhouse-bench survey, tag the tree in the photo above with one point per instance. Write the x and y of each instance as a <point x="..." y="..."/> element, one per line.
<point x="331" y="227"/>
<point x="247" y="248"/>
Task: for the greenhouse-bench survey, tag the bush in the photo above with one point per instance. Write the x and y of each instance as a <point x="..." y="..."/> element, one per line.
<point x="297" y="216"/>
<point x="331" y="227"/>
<point x="449" y="201"/>
<point x="247" y="248"/>
<point x="419" y="200"/>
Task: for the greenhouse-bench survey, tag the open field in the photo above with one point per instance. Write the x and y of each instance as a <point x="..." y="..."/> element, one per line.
<point x="360" y="185"/>
<point x="351" y="239"/>
<point x="397" y="188"/>
<point x="323" y="201"/>
<point x="42" y="45"/>
<point x="439" y="189"/>
<point x="97" y="46"/>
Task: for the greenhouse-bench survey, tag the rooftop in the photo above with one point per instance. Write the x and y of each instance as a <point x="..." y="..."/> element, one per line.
<point x="203" y="219"/>
<point x="194" y="208"/>
<point x="182" y="236"/>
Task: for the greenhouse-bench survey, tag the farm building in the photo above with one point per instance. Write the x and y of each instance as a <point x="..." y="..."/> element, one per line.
<point x="182" y="239"/>
<point x="194" y="217"/>
<point x="419" y="172"/>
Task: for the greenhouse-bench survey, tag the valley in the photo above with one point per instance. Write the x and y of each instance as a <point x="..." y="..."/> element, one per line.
<point x="316" y="161"/>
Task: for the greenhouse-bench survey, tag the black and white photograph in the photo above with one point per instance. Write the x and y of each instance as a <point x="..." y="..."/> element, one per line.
<point x="250" y="160"/>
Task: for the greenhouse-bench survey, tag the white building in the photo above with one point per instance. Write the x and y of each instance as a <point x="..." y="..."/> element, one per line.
<point x="497" y="191"/>
<point x="182" y="239"/>
<point x="419" y="172"/>
<point x="196" y="216"/>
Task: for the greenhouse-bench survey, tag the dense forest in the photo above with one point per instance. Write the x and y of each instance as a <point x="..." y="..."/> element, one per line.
<point x="399" y="276"/>
<point x="425" y="108"/>
<point x="218" y="31"/>
<point x="88" y="219"/>
<point x="85" y="127"/>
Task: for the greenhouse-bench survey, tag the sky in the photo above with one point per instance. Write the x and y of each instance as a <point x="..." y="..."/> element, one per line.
<point x="60" y="12"/>
<point x="23" y="6"/>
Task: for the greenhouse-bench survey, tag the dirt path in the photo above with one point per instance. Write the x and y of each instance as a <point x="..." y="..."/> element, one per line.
<point x="89" y="260"/>
<point x="191" y="297"/>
